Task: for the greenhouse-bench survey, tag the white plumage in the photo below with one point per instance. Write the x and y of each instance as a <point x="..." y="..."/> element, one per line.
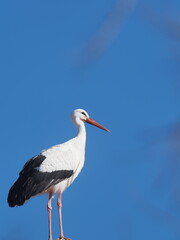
<point x="53" y="170"/>
<point x="67" y="156"/>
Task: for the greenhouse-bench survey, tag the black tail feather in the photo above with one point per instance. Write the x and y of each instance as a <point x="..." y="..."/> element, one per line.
<point x="18" y="193"/>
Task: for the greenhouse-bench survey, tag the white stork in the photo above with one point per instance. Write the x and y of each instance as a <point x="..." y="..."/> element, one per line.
<point x="53" y="170"/>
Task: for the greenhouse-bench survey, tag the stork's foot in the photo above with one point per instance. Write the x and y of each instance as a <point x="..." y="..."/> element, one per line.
<point x="63" y="238"/>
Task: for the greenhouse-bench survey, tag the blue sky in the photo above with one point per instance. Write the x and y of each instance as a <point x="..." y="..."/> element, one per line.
<point x="56" y="56"/>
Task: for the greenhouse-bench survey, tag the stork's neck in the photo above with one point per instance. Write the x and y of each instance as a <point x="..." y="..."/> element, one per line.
<point x="81" y="132"/>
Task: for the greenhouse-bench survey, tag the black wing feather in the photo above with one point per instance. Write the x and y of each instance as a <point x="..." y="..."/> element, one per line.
<point x="32" y="182"/>
<point x="32" y="164"/>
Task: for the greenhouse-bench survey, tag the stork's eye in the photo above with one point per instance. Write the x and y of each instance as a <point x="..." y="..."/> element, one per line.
<point x="84" y="114"/>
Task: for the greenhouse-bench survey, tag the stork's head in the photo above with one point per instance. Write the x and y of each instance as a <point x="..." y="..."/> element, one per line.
<point x="79" y="115"/>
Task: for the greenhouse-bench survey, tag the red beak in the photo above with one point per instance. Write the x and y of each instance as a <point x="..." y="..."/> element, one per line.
<point x="92" y="122"/>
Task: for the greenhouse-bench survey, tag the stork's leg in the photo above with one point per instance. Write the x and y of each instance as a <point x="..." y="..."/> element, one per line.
<point x="49" y="209"/>
<point x="59" y="204"/>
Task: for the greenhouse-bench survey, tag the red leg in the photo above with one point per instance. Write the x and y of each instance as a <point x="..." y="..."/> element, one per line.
<point x="59" y="204"/>
<point x="49" y="208"/>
